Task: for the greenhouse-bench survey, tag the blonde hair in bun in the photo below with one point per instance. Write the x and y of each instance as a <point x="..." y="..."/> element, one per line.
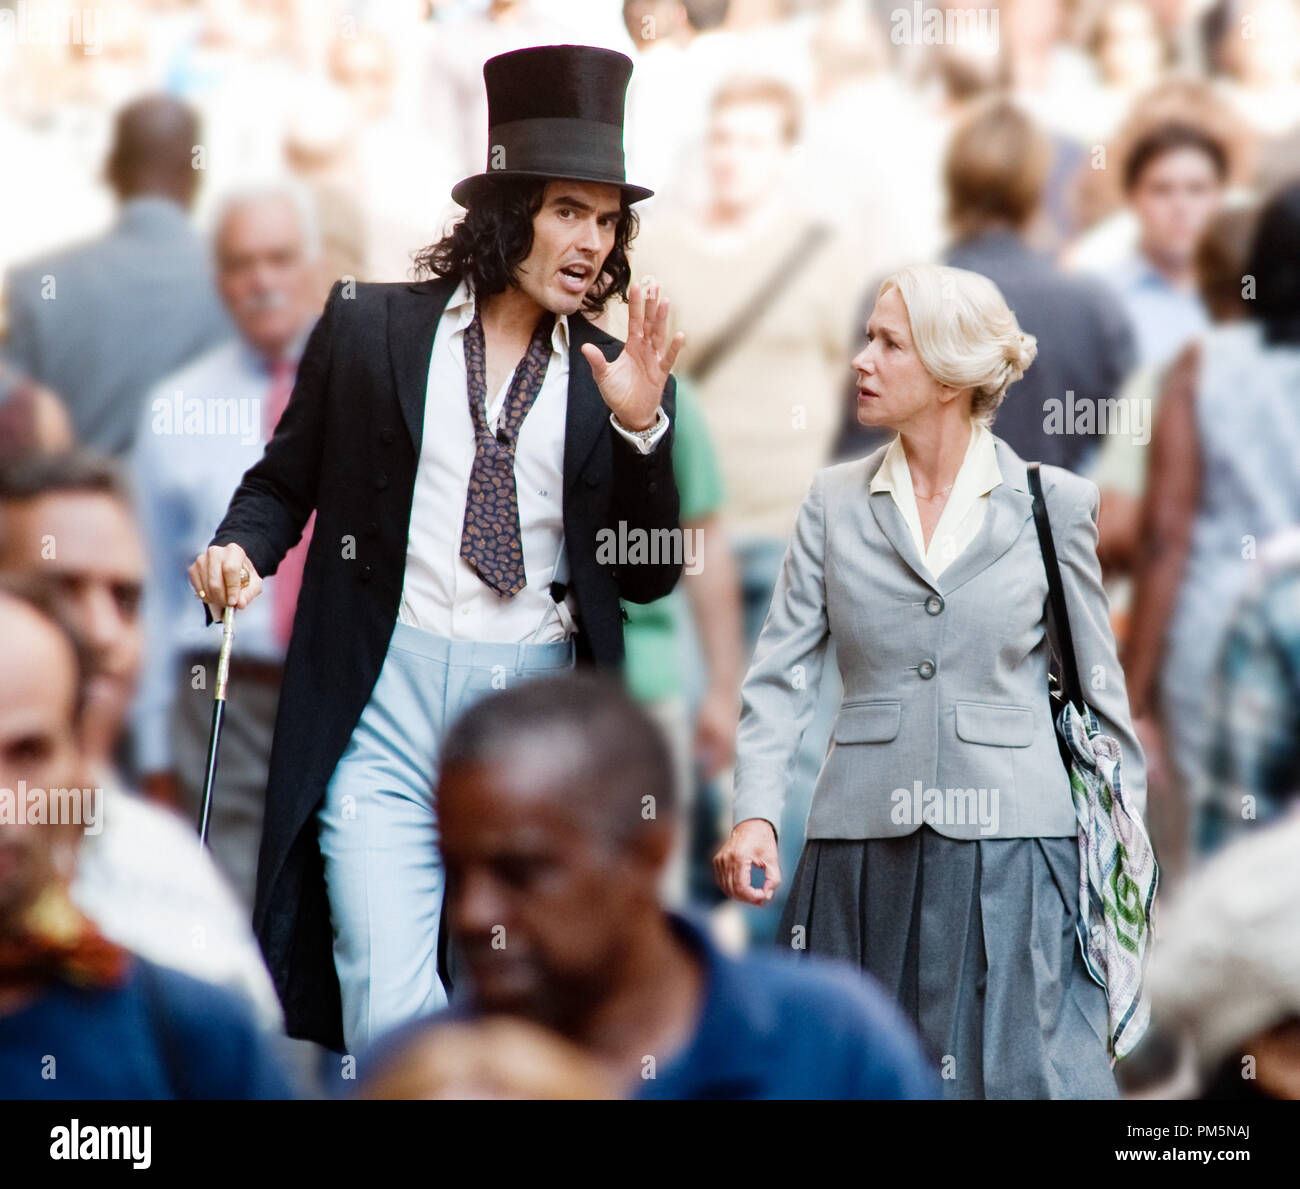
<point x="965" y="334"/>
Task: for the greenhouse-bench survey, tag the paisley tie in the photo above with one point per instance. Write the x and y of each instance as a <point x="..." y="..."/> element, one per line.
<point x="491" y="541"/>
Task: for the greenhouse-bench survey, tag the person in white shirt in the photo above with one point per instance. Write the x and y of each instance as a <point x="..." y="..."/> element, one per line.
<point x="487" y="469"/>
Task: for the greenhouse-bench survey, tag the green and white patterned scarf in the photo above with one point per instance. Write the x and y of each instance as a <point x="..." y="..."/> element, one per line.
<point x="1118" y="874"/>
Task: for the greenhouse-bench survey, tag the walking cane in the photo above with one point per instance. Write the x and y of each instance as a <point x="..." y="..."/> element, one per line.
<point x="218" y="711"/>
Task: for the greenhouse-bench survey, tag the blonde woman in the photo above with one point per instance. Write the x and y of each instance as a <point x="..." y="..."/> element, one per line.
<point x="941" y="850"/>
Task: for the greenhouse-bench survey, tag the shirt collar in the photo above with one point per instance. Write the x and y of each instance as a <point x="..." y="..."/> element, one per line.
<point x="260" y="364"/>
<point x="979" y="472"/>
<point x="460" y="308"/>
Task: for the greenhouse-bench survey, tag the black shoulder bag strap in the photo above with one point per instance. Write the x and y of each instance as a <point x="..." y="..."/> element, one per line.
<point x="743" y="321"/>
<point x="1070" y="684"/>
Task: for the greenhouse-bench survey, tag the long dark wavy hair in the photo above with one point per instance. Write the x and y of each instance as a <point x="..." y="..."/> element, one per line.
<point x="496" y="234"/>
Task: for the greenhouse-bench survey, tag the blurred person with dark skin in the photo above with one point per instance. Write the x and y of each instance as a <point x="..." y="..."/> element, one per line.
<point x="99" y="324"/>
<point x="81" y="1017"/>
<point x="66" y="520"/>
<point x="1174" y="178"/>
<point x="557" y="813"/>
<point x="203" y="427"/>
<point x="996" y="167"/>
<point x="1222" y="480"/>
<point x="469" y="443"/>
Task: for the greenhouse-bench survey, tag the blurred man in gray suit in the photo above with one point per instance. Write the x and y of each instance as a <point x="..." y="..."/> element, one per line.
<point x="102" y="322"/>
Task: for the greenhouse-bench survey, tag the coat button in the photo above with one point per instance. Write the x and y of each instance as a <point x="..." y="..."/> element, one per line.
<point x="381" y="481"/>
<point x="926" y="669"/>
<point x="387" y="436"/>
<point x="934" y="604"/>
<point x="366" y="572"/>
<point x="372" y="529"/>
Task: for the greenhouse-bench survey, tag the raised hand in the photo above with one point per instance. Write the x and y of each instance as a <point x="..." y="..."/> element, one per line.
<point x="632" y="386"/>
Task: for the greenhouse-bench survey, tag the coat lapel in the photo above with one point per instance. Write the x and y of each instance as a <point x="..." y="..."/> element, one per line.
<point x="587" y="414"/>
<point x="1010" y="505"/>
<point x="413" y="313"/>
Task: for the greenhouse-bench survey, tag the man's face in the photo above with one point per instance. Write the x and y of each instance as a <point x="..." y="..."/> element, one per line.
<point x="88" y="544"/>
<point x="1175" y="197"/>
<point x="263" y="272"/>
<point x="573" y="233"/>
<point x="539" y="905"/>
<point x="37" y="746"/>
<point x="746" y="153"/>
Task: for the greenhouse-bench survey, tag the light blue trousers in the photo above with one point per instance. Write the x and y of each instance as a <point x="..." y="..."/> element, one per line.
<point x="378" y="829"/>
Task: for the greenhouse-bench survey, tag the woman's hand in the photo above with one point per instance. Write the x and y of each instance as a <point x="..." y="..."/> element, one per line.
<point x="752" y="844"/>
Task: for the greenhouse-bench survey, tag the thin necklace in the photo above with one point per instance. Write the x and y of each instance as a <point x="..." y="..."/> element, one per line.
<point x="934" y="495"/>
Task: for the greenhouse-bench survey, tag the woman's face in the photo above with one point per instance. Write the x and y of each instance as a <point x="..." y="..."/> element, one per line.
<point x="893" y="386"/>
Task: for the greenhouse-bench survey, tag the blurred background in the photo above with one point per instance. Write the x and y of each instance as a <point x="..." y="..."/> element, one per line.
<point x="184" y="181"/>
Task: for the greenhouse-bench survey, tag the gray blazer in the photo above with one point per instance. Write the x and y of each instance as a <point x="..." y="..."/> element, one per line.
<point x="945" y="716"/>
<point x="101" y="323"/>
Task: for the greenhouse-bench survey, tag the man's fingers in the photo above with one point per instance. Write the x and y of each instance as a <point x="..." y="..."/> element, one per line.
<point x="213" y="582"/>
<point x="635" y="307"/>
<point x="650" y="316"/>
<point x="599" y="365"/>
<point x="659" y="328"/>
<point x="232" y="579"/>
<point x="674" y="349"/>
<point x="249" y="592"/>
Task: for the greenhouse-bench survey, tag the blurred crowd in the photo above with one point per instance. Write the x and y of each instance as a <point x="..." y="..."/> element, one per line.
<point x="187" y="179"/>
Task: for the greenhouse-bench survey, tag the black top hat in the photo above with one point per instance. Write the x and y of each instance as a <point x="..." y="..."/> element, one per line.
<point x="555" y="111"/>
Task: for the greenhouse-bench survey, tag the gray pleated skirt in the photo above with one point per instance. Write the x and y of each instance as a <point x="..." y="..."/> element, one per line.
<point x="976" y="941"/>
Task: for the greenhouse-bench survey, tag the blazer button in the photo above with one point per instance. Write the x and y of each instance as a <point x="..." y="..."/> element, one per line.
<point x="387" y="436"/>
<point x="372" y="529"/>
<point x="934" y="604"/>
<point x="926" y="669"/>
<point x="366" y="571"/>
<point x="381" y="481"/>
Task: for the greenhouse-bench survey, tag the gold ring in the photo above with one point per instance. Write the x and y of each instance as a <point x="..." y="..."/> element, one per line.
<point x="203" y="594"/>
<point x="243" y="576"/>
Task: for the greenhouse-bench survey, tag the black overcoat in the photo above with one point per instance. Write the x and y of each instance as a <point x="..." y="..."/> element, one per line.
<point x="347" y="447"/>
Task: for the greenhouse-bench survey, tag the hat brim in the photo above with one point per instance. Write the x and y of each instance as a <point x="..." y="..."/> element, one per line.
<point x="471" y="188"/>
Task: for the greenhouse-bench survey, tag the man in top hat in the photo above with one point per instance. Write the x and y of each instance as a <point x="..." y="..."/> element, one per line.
<point x="472" y="447"/>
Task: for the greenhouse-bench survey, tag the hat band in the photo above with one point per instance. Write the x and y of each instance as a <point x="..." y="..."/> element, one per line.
<point x="561" y="147"/>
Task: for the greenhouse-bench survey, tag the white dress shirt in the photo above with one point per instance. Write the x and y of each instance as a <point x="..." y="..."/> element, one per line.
<point x="967" y="504"/>
<point x="441" y="592"/>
